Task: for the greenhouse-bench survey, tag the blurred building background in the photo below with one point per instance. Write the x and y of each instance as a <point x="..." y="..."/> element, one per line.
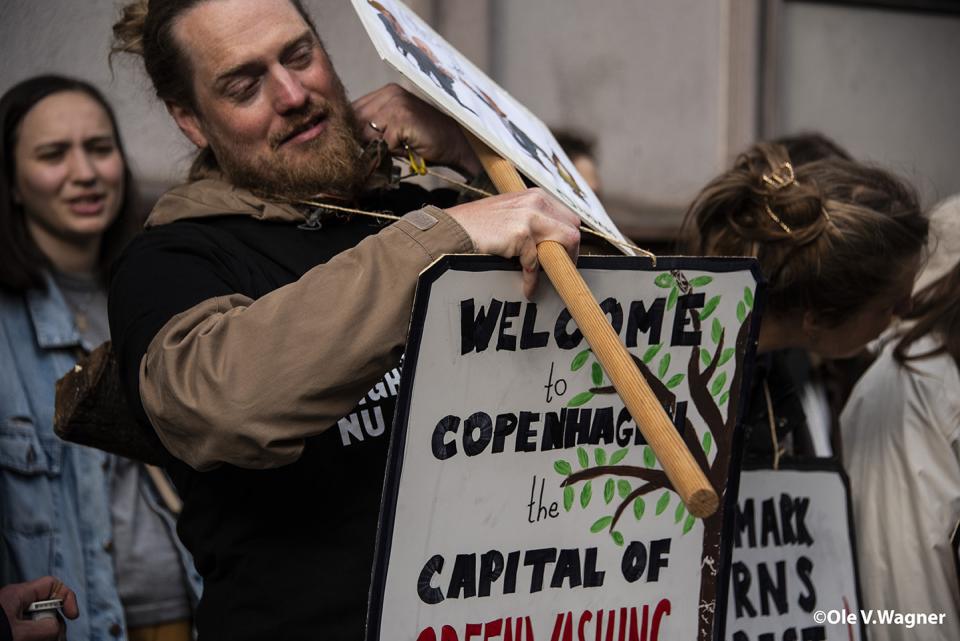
<point x="671" y="89"/>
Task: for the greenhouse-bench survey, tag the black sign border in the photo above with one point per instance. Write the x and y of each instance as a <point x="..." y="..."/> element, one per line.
<point x="483" y="263"/>
<point x="955" y="546"/>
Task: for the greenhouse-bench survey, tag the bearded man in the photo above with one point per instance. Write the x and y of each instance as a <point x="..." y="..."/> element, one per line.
<point x="249" y="329"/>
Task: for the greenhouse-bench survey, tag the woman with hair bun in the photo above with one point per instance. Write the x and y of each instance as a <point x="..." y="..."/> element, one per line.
<point x="94" y="520"/>
<point x="839" y="243"/>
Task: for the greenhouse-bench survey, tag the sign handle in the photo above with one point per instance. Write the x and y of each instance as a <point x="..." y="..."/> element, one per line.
<point x="678" y="464"/>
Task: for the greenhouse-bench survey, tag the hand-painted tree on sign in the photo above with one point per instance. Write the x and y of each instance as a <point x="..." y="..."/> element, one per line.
<point x="712" y="386"/>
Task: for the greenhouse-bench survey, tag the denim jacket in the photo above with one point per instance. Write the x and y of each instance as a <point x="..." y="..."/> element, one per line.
<point x="54" y="495"/>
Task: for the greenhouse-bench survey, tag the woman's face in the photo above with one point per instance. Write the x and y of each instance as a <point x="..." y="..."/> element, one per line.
<point x="852" y="335"/>
<point x="69" y="171"/>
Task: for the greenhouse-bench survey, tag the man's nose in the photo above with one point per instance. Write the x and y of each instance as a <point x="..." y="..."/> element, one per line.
<point x="289" y="93"/>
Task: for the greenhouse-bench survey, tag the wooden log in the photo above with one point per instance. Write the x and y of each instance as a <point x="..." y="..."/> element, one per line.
<point x="91" y="410"/>
<point x="686" y="476"/>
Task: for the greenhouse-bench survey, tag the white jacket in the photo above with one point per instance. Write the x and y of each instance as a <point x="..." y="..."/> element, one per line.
<point x="901" y="436"/>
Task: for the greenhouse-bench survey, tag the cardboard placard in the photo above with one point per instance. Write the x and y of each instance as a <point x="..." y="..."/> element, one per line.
<point x="793" y="556"/>
<point x="521" y="500"/>
<point x="469" y="96"/>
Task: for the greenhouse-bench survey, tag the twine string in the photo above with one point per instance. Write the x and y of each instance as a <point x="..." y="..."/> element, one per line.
<point x="777" y="450"/>
<point x="420" y="169"/>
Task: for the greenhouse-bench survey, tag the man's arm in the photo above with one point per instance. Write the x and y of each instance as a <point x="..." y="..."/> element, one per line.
<point x="226" y="379"/>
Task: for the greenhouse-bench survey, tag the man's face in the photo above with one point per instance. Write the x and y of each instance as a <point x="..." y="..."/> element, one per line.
<point x="268" y="101"/>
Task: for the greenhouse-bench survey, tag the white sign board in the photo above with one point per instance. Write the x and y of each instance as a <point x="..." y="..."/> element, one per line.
<point x="521" y="499"/>
<point x="793" y="558"/>
<point x="464" y="92"/>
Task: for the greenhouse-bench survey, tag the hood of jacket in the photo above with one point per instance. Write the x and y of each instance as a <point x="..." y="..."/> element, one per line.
<point x="216" y="197"/>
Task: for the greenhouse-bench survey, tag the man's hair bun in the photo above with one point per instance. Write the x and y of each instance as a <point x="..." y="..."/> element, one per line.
<point x="128" y="30"/>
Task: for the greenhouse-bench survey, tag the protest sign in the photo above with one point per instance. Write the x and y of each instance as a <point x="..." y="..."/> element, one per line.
<point x="521" y="501"/>
<point x="794" y="572"/>
<point x="460" y="89"/>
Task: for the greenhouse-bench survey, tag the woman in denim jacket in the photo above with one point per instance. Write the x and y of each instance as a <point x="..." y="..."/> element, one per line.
<point x="92" y="519"/>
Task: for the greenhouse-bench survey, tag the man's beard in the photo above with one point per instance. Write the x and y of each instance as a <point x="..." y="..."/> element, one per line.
<point x="327" y="165"/>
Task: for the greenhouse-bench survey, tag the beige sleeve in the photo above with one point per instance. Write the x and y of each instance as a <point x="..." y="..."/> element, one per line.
<point x="244" y="382"/>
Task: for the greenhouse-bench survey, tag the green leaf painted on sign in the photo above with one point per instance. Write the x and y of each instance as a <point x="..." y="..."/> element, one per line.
<point x="663" y="502"/>
<point x="563" y="467"/>
<point x="680" y="511"/>
<point x="596" y="374"/>
<point x="601" y="523"/>
<point x="675" y="380"/>
<point x="617" y="538"/>
<point x="726" y="356"/>
<point x="639" y="506"/>
<point x="623" y="488"/>
<point x="608" y="490"/>
<point x="705" y="356"/>
<point x="707" y="442"/>
<point x="651" y="352"/>
<point x="649" y="458"/>
<point x="579" y="360"/>
<point x="717" y="385"/>
<point x="748" y="297"/>
<point x="664" y="280"/>
<point x="664" y="366"/>
<point x="619" y="456"/>
<point x="600" y="456"/>
<point x="716" y="331"/>
<point x="688" y="524"/>
<point x="672" y="298"/>
<point x="741" y="311"/>
<point x="580" y="399"/>
<point x="724" y="398"/>
<point x="701" y="281"/>
<point x="568" y="498"/>
<point x="709" y="307"/>
<point x="586" y="494"/>
<point x="583" y="457"/>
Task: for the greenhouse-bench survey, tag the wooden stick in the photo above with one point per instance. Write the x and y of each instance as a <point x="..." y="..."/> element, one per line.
<point x="677" y="462"/>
